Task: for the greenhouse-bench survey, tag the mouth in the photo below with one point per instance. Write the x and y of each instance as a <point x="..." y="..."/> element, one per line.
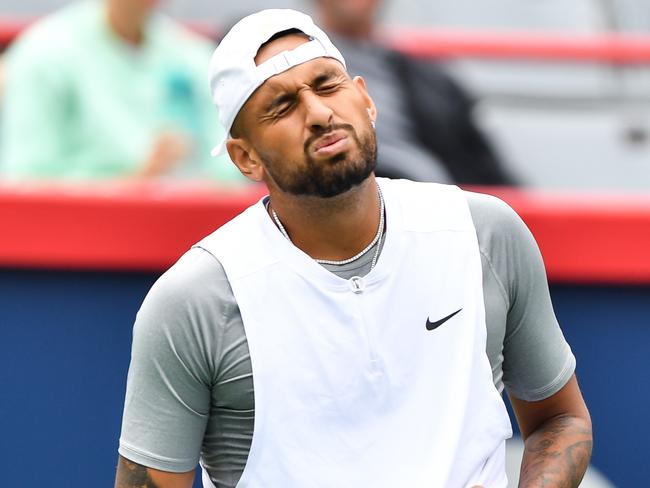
<point x="331" y="144"/>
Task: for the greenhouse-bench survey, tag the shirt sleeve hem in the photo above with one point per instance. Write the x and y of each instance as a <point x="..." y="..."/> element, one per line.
<point x="156" y="462"/>
<point x="550" y="389"/>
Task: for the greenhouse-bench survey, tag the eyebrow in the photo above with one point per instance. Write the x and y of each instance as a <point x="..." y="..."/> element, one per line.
<point x="287" y="97"/>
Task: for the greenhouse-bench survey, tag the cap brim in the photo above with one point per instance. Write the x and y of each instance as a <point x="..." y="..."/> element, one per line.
<point x="218" y="150"/>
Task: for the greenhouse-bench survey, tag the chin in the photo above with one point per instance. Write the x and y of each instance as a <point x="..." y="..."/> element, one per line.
<point x="344" y="177"/>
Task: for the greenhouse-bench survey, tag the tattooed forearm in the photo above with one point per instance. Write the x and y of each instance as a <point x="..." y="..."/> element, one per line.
<point x="132" y="475"/>
<point x="557" y="454"/>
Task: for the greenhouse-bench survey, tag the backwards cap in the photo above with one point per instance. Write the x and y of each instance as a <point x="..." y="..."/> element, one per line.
<point x="233" y="73"/>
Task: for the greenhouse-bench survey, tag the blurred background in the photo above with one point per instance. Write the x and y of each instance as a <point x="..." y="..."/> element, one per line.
<point x="582" y="123"/>
<point x="558" y="93"/>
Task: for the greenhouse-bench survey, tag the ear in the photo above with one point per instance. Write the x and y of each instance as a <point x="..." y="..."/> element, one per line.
<point x="360" y="84"/>
<point x="245" y="158"/>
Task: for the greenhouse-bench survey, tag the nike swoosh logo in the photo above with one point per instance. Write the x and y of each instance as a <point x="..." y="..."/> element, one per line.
<point x="438" y="323"/>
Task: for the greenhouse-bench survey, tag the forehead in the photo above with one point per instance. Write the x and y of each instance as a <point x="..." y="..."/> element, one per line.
<point x="291" y="79"/>
<point x="299" y="74"/>
<point x="302" y="74"/>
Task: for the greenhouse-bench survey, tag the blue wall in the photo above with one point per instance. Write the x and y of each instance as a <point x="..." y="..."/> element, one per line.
<point x="64" y="352"/>
<point x="609" y="332"/>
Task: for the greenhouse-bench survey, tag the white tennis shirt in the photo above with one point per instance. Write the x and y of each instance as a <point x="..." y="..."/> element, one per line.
<point x="352" y="388"/>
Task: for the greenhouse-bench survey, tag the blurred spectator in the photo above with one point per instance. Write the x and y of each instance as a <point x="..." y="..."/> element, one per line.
<point x="425" y="128"/>
<point x="2" y="77"/>
<point x="109" y="89"/>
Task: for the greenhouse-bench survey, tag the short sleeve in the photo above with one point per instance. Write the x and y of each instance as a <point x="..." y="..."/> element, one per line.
<point x="537" y="360"/>
<point x="172" y="370"/>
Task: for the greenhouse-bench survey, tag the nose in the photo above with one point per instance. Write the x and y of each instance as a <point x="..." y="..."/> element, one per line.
<point x="318" y="114"/>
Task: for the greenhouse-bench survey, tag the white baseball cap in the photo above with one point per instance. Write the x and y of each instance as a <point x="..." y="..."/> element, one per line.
<point x="233" y="73"/>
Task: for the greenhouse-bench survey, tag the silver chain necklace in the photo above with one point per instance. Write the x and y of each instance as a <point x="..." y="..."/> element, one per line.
<point x="376" y="240"/>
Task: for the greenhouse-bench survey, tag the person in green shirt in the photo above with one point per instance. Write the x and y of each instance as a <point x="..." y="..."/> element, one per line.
<point x="109" y="89"/>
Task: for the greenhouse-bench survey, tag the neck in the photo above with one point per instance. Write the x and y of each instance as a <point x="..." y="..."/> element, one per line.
<point x="127" y="21"/>
<point x="333" y="228"/>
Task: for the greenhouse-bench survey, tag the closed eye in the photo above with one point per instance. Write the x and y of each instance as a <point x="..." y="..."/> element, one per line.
<point x="280" y="106"/>
<point x="282" y="110"/>
<point x="328" y="82"/>
<point x="328" y="88"/>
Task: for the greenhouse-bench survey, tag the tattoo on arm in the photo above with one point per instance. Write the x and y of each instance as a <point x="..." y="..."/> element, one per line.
<point x="133" y="475"/>
<point x="557" y="454"/>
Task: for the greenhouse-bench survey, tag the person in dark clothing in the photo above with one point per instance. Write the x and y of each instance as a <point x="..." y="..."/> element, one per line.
<point x="426" y="129"/>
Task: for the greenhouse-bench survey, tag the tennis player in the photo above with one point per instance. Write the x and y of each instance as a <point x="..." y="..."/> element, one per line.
<point x="346" y="330"/>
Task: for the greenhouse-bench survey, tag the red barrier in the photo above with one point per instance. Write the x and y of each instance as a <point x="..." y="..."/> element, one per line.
<point x="592" y="239"/>
<point x="445" y="43"/>
<point x="143" y="227"/>
<point x="587" y="238"/>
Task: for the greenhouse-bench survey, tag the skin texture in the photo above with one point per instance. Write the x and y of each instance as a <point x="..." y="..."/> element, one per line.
<point x="285" y="121"/>
<point x="558" y="439"/>
<point x="133" y="475"/>
<point x="277" y="107"/>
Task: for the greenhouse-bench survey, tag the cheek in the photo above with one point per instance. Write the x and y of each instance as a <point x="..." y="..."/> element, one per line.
<point x="356" y="107"/>
<point x="360" y="120"/>
<point x="279" y="144"/>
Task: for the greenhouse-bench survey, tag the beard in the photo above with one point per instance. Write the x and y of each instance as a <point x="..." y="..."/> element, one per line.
<point x="331" y="177"/>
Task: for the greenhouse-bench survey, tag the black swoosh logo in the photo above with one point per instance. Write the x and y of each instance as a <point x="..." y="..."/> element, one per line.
<point x="438" y="323"/>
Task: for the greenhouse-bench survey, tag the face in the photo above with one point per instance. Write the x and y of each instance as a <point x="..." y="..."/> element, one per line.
<point x="309" y="128"/>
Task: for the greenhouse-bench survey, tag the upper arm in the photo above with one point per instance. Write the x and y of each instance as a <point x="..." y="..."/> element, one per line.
<point x="538" y="368"/>
<point x="537" y="360"/>
<point x="173" y="368"/>
<point x="133" y="475"/>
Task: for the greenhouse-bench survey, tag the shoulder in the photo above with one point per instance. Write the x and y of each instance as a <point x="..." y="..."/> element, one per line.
<point x="186" y="313"/>
<point x="488" y="210"/>
<point x="498" y="226"/>
<point x="507" y="245"/>
<point x="190" y="282"/>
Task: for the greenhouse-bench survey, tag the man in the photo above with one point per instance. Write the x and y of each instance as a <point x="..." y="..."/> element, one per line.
<point x="108" y="89"/>
<point x="427" y="131"/>
<point x="334" y="334"/>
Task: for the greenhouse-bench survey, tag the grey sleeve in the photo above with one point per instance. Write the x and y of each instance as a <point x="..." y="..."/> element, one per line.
<point x="175" y="346"/>
<point x="537" y="360"/>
